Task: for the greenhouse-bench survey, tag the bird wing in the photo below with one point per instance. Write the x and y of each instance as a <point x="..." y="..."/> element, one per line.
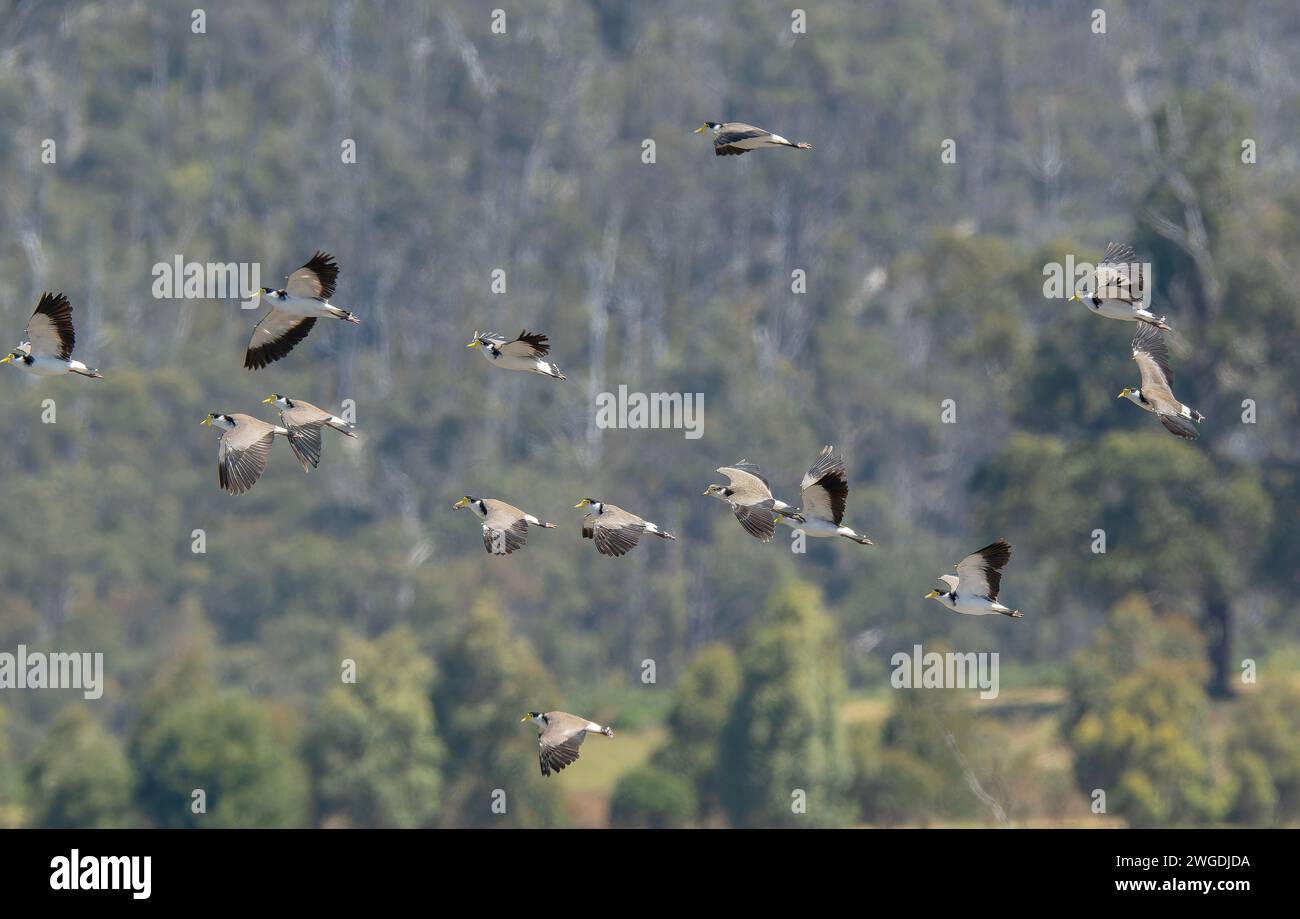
<point x="734" y="131"/>
<point x="558" y="745"/>
<point x="950" y="579"/>
<point x="1152" y="356"/>
<point x="825" y="487"/>
<point x="1119" y="273"/>
<point x="314" y="279"/>
<point x="528" y="344"/>
<point x="275" y="336"/>
<point x="306" y="422"/>
<point x="50" y="328"/>
<point x="747" y="485"/>
<point x="243" y="454"/>
<point x="504" y="527"/>
<point x="758" y="522"/>
<point x="1178" y="426"/>
<point x="980" y="573"/>
<point x="616" y="532"/>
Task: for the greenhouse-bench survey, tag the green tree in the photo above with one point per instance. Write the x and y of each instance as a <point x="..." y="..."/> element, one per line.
<point x="488" y="678"/>
<point x="373" y="755"/>
<point x="191" y="736"/>
<point x="783" y="734"/>
<point x="1263" y="747"/>
<point x="702" y="701"/>
<point x="652" y="798"/>
<point x="79" y="776"/>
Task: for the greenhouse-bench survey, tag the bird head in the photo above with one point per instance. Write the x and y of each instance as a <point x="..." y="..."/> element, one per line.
<point x="463" y="502"/>
<point x="219" y="420"/>
<point x="479" y="339"/>
<point x="1133" y="395"/>
<point x="1074" y="296"/>
<point x="9" y="357"/>
<point x="281" y="401"/>
<point x="717" y="491"/>
<point x="934" y="595"/>
<point x="532" y="716"/>
<point x="708" y="127"/>
<point x="592" y="502"/>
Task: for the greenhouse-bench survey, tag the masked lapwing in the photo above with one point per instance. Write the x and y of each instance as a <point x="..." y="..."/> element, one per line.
<point x="749" y="495"/>
<point x="294" y="310"/>
<point x="505" y="527"/>
<point x="614" y="530"/>
<point x="49" y="340"/>
<point x="244" y="449"/>
<point x="973" y="590"/>
<point x="526" y="353"/>
<point x="559" y="735"/>
<point x="1118" y="286"/>
<point x="1156" y="393"/>
<point x="733" y="138"/>
<point x="824" y="490"/>
<point x="305" y="421"/>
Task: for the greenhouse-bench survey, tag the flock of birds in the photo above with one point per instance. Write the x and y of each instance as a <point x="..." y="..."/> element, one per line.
<point x="244" y="447"/>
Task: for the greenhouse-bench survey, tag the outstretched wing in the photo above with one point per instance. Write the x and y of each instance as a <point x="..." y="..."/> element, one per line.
<point x="50" y="328"/>
<point x="1178" y="426"/>
<point x="758" y="522"/>
<point x="528" y="344"/>
<point x="314" y="279"/>
<point x="1119" y="274"/>
<point x="242" y="457"/>
<point x="825" y="487"/>
<point x="275" y="336"/>
<point x="1152" y="357"/>
<point x="747" y="485"/>
<point x="981" y="571"/>
<point x="554" y="753"/>
<point x="614" y="537"/>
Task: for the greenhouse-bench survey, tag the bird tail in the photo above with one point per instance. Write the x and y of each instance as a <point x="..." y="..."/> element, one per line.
<point x="863" y="541"/>
<point x="1014" y="614"/>
<point x="607" y="731"/>
<point x="87" y="372"/>
<point x="802" y="146"/>
<point x="1153" y="319"/>
<point x="556" y="372"/>
<point x="663" y="534"/>
<point x="1196" y="416"/>
<point x="343" y="428"/>
<point x="546" y="526"/>
<point x="345" y="315"/>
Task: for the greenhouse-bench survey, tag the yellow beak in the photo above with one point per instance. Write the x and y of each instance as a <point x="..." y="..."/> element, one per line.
<point x="1124" y="392"/>
<point x="7" y="359"/>
<point x="932" y="594"/>
<point x="701" y="129"/>
<point x="268" y="399"/>
<point x="582" y="503"/>
<point x="1074" y="297"/>
<point x="207" y="420"/>
<point x="523" y="719"/>
<point x="461" y="503"/>
<point x="474" y="344"/>
<point x="705" y="494"/>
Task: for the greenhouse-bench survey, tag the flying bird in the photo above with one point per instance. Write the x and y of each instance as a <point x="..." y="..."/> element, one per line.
<point x="505" y="527"/>
<point x="824" y="490"/>
<point x="973" y="590"/>
<point x="526" y="353"/>
<point x="735" y="137"/>
<point x="49" y="340"/>
<point x="559" y="735"/>
<point x="1156" y="393"/>
<point x="244" y="449"/>
<point x="749" y="495"/>
<point x="614" y="530"/>
<point x="305" y="422"/>
<point x="1118" y="287"/>
<point x="294" y="310"/>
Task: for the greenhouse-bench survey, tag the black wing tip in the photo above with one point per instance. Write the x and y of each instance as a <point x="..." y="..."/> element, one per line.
<point x="51" y="303"/>
<point x="1119" y="252"/>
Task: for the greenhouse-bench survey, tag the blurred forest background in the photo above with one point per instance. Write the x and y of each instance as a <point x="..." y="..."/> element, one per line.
<point x="522" y="152"/>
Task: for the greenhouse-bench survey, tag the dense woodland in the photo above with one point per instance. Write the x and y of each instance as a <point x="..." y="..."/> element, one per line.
<point x="522" y="152"/>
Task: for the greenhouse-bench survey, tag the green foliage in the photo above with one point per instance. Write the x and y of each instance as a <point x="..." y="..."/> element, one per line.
<point x="783" y="734"/>
<point x="702" y="702"/>
<point x="652" y="798"/>
<point x="80" y="775"/>
<point x="1138" y="711"/>
<point x="1263" y="752"/>
<point x="191" y="735"/>
<point x="374" y="757"/>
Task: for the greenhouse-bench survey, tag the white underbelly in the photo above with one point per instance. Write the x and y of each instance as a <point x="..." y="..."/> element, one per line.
<point x="1116" y="309"/>
<point x="817" y="528"/>
<point x="45" y="366"/>
<point x="302" y="306"/>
